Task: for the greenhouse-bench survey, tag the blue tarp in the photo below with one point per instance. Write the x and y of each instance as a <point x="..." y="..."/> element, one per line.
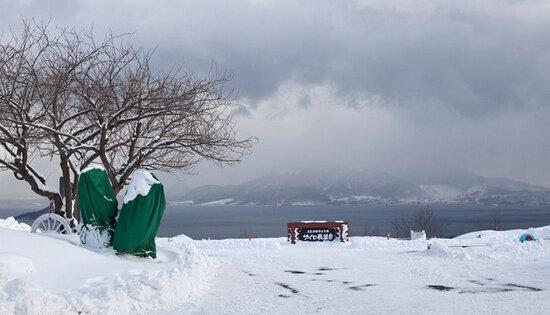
<point x="527" y="237"/>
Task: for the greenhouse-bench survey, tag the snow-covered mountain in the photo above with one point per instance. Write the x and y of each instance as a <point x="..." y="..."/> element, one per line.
<point x="347" y="186"/>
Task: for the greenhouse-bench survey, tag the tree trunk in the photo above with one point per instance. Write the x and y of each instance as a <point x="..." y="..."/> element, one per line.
<point x="76" y="208"/>
<point x="57" y="204"/>
<point x="68" y="189"/>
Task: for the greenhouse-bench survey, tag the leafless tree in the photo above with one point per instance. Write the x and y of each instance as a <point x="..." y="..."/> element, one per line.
<point x="496" y="219"/>
<point x="492" y="222"/>
<point x="21" y="109"/>
<point x="67" y="97"/>
<point x="373" y="231"/>
<point x="248" y="234"/>
<point x="424" y="219"/>
<point x="142" y="120"/>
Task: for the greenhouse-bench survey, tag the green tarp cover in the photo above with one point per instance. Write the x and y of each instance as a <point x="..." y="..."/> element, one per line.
<point x="96" y="200"/>
<point x="139" y="219"/>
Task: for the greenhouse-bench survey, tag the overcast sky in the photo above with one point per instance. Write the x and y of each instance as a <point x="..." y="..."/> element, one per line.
<point x="360" y="83"/>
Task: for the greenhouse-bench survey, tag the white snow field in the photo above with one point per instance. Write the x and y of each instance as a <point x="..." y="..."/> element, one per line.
<point x="480" y="272"/>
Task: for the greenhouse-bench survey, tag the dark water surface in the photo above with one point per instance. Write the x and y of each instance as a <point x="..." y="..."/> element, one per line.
<point x="218" y="222"/>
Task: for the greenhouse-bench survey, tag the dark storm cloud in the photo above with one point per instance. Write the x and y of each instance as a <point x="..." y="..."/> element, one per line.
<point x="460" y="83"/>
<point x="475" y="58"/>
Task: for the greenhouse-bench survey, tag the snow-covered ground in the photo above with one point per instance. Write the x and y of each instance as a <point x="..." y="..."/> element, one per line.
<point x="480" y="272"/>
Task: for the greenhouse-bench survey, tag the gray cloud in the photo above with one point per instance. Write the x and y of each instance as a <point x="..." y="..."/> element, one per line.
<point x="476" y="58"/>
<point x="358" y="82"/>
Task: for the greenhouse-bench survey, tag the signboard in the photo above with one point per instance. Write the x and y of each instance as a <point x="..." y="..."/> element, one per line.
<point x="317" y="231"/>
<point x="316" y="234"/>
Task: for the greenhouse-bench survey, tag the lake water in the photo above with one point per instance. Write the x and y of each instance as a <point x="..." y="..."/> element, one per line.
<point x="218" y="222"/>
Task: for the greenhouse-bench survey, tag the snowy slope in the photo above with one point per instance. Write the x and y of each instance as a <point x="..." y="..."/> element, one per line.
<point x="480" y="272"/>
<point x="12" y="224"/>
<point x="373" y="275"/>
<point x="63" y="278"/>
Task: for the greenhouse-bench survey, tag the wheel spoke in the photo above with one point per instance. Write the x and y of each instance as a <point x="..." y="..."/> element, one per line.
<point x="42" y="226"/>
<point x="51" y="223"/>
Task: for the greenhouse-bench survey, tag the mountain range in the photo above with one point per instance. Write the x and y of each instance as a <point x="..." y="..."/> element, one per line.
<point x="357" y="186"/>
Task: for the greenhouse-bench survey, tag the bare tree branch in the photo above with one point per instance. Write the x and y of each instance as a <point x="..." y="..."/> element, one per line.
<point x="64" y="94"/>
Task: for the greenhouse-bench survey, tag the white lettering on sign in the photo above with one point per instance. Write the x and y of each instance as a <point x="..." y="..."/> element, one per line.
<point x="318" y="237"/>
<point x="318" y="231"/>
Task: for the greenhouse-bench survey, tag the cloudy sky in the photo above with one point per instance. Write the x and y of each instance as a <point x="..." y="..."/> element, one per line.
<point x="357" y="83"/>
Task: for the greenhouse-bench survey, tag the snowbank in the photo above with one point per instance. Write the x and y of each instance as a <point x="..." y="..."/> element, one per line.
<point x="11" y="263"/>
<point x="140" y="184"/>
<point x="438" y="249"/>
<point x="130" y="292"/>
<point x="384" y="244"/>
<point x="227" y="244"/>
<point x="507" y="236"/>
<point x="94" y="238"/>
<point x="41" y="274"/>
<point x="12" y="224"/>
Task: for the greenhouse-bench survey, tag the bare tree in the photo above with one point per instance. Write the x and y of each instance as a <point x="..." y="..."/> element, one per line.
<point x="492" y="222"/>
<point x="21" y="109"/>
<point x="496" y="219"/>
<point x="424" y="219"/>
<point x="248" y="234"/>
<point x="69" y="98"/>
<point x="373" y="231"/>
<point x="163" y="122"/>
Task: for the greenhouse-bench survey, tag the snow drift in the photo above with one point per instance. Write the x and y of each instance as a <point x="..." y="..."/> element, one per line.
<point x="42" y="274"/>
<point x="46" y="275"/>
<point x="12" y="224"/>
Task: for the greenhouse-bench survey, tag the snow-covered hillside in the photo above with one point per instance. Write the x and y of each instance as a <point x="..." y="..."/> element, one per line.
<point x="347" y="186"/>
<point x="480" y="272"/>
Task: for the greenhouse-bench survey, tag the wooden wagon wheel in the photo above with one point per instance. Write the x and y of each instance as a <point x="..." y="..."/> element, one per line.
<point x="51" y="223"/>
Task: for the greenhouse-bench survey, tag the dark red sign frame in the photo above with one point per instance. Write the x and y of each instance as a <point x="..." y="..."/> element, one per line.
<point x="294" y="229"/>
